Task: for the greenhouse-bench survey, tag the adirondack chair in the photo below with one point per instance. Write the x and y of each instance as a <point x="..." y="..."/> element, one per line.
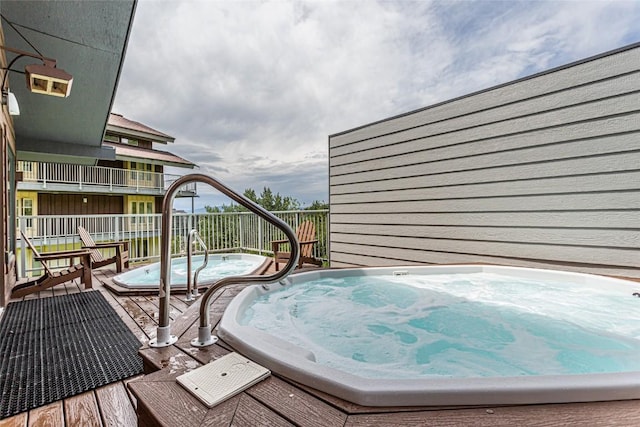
<point x="121" y="257"/>
<point x="52" y="278"/>
<point x="306" y="233"/>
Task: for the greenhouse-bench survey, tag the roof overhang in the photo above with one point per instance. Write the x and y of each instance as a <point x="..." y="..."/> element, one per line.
<point x="151" y="156"/>
<point x="88" y="39"/>
<point x="117" y="130"/>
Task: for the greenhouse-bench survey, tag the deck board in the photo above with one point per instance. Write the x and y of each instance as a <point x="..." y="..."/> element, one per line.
<point x="298" y="406"/>
<point x="252" y="413"/>
<point x="117" y="408"/>
<point x="82" y="410"/>
<point x="19" y="420"/>
<point x="620" y="413"/>
<point x="51" y="415"/>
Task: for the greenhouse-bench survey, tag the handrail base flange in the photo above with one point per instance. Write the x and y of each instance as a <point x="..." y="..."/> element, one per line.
<point x="204" y="337"/>
<point x="163" y="337"/>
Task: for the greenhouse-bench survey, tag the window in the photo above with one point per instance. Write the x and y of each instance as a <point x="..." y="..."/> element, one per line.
<point x="141" y="172"/>
<point x="25" y="208"/>
<point x="130" y="141"/>
<point x="134" y="211"/>
<point x="141" y="209"/>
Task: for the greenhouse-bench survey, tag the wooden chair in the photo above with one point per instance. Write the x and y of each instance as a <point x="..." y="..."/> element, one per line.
<point x="51" y="278"/>
<point x="121" y="257"/>
<point x="306" y="234"/>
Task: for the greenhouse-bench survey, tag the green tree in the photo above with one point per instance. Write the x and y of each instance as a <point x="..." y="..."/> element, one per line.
<point x="317" y="205"/>
<point x="224" y="233"/>
<point x="267" y="199"/>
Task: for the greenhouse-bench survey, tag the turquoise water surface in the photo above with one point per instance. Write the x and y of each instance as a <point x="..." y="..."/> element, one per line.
<point x="473" y="325"/>
<point x="219" y="266"/>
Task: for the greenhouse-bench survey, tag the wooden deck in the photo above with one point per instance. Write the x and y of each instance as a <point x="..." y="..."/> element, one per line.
<point x="156" y="398"/>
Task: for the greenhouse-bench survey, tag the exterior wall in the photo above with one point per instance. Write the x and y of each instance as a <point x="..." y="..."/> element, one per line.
<point x="78" y="204"/>
<point x="7" y="195"/>
<point x="540" y="172"/>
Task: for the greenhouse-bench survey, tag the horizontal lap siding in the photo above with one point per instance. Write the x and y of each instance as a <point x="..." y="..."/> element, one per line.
<point x="543" y="172"/>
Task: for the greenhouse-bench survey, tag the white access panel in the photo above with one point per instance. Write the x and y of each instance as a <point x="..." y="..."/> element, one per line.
<point x="223" y="378"/>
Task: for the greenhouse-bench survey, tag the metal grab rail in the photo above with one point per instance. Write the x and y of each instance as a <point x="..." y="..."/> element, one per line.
<point x="192" y="291"/>
<point x="163" y="336"/>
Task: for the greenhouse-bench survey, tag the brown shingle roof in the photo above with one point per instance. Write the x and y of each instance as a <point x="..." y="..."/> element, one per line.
<point x="131" y="152"/>
<point x="121" y="125"/>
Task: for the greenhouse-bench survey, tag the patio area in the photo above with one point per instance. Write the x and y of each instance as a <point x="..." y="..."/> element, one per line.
<point x="156" y="398"/>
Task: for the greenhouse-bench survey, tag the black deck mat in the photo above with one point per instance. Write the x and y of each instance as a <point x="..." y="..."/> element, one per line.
<point x="54" y="348"/>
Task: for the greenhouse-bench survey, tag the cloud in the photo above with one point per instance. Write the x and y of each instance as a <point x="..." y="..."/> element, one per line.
<point x="252" y="89"/>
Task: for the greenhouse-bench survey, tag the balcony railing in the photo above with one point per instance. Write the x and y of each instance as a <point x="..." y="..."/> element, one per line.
<point x="221" y="232"/>
<point x="88" y="178"/>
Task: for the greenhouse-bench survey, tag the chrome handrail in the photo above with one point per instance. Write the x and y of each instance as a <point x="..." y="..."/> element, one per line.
<point x="192" y="291"/>
<point x="163" y="336"/>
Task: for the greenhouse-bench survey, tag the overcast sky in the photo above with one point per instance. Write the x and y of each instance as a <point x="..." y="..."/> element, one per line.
<point x="251" y="90"/>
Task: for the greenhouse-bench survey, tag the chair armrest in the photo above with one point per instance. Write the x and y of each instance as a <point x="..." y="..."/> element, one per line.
<point x="105" y="245"/>
<point x="121" y="246"/>
<point x="308" y="242"/>
<point x="61" y="255"/>
<point x="275" y="244"/>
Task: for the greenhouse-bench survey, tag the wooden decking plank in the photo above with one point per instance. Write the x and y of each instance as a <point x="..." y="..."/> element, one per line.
<point x="149" y="307"/>
<point x="133" y="399"/>
<point x="176" y="303"/>
<point x="140" y="317"/>
<point x="51" y="415"/>
<point x="73" y="288"/>
<point x="116" y="407"/>
<point x="295" y="404"/>
<point x="252" y="413"/>
<point x="19" y="420"/>
<point x="183" y="297"/>
<point x="184" y="321"/>
<point x="82" y="410"/>
<point x="593" y="414"/>
<point x="203" y="355"/>
<point x="172" y="358"/>
<point x="222" y="414"/>
<point x="218" y="304"/>
<point x="168" y="403"/>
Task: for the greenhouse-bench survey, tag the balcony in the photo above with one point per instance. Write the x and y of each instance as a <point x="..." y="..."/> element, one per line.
<point x="62" y="177"/>
<point x="221" y="232"/>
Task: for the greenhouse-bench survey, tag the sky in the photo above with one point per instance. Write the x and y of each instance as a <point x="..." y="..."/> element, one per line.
<point x="251" y="90"/>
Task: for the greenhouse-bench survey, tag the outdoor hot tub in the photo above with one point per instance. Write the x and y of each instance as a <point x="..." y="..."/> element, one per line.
<point x="218" y="266"/>
<point x="445" y="335"/>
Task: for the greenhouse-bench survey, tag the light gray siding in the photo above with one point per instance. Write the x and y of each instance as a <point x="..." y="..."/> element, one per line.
<point x="540" y="172"/>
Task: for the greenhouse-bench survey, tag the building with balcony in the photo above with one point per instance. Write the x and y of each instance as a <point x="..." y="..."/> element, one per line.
<point x="88" y="40"/>
<point x="133" y="183"/>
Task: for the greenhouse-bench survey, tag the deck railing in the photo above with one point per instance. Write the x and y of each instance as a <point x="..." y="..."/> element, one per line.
<point x="221" y="232"/>
<point x="83" y="177"/>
